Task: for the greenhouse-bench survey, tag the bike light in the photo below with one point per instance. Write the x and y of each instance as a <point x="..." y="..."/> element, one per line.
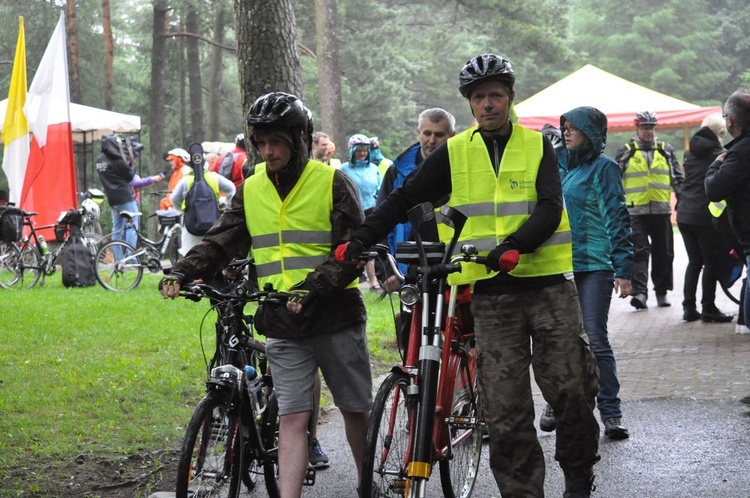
<point x="409" y="295"/>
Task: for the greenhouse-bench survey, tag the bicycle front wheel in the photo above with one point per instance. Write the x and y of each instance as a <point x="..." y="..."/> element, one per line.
<point x="118" y="268"/>
<point x="10" y="256"/>
<point x="212" y="452"/>
<point x="387" y="444"/>
<point x="31" y="266"/>
<point x="269" y="434"/>
<point x="458" y="472"/>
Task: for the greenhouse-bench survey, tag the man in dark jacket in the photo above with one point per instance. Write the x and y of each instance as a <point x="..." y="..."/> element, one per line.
<point x="728" y="177"/>
<point x="505" y="178"/>
<point x="702" y="241"/>
<point x="291" y="212"/>
<point x="116" y="169"/>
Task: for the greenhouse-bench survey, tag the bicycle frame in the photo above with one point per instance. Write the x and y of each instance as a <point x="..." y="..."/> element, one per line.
<point x="439" y="363"/>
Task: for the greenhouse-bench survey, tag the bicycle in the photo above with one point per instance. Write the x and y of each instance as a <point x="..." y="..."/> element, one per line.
<point x="233" y="432"/>
<point x="428" y="408"/>
<point x="119" y="266"/>
<point x="29" y="260"/>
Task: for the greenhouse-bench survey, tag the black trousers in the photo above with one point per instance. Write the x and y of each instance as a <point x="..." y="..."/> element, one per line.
<point x="652" y="239"/>
<point x="702" y="244"/>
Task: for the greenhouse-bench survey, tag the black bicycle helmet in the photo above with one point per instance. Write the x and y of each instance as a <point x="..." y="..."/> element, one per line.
<point x="485" y="67"/>
<point x="645" y="118"/>
<point x="278" y="109"/>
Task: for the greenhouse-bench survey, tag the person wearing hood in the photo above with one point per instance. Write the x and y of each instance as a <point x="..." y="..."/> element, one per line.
<point x="366" y="176"/>
<point x="602" y="247"/>
<point x="377" y="157"/>
<point x="702" y="241"/>
<point x="116" y="169"/>
<point x="291" y="212"/>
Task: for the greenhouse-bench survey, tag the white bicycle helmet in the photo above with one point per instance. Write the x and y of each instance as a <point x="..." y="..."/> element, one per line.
<point x="91" y="207"/>
<point x="181" y="153"/>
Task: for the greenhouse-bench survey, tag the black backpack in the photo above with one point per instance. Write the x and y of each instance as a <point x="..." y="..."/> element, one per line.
<point x="78" y="262"/>
<point x="227" y="166"/>
<point x="201" y="204"/>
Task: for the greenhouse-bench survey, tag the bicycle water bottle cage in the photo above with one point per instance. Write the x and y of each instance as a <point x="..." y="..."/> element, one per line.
<point x="408" y="252"/>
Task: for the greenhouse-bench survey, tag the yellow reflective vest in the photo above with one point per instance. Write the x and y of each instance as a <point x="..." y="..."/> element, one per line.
<point x="498" y="204"/>
<point x="644" y="185"/>
<point x="290" y="238"/>
<point x="210" y="178"/>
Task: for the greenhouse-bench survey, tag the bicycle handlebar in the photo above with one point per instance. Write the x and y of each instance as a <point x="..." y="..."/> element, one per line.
<point x="196" y="292"/>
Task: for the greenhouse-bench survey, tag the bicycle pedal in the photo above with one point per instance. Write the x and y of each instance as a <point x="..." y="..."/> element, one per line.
<point x="463" y="422"/>
<point x="309" y="477"/>
<point x="398" y="487"/>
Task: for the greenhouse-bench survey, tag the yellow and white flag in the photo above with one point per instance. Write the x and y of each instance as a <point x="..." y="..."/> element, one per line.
<point x="15" y="126"/>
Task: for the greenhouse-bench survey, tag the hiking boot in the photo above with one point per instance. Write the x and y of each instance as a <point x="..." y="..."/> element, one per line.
<point x="714" y="314"/>
<point x="638" y="301"/>
<point x="614" y="429"/>
<point x="547" y="420"/>
<point x="318" y="459"/>
<point x="578" y="487"/>
<point x="690" y="314"/>
<point x="662" y="301"/>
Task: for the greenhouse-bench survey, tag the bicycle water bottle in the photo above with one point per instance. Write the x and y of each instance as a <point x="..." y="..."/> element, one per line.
<point x="255" y="388"/>
<point x="43" y="245"/>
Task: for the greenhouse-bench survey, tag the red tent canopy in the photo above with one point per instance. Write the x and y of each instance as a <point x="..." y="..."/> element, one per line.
<point x="616" y="97"/>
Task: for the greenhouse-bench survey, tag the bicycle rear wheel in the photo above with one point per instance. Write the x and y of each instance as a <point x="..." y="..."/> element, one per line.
<point x="269" y="433"/>
<point x="31" y="266"/>
<point x="9" y="258"/>
<point x="211" y="459"/>
<point x="387" y="444"/>
<point x="173" y="248"/>
<point x="117" y="266"/>
<point x="465" y="426"/>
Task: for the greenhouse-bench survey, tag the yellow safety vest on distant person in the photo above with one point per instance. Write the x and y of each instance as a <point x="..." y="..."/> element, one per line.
<point x="497" y="205"/>
<point x="644" y="185"/>
<point x="290" y="238"/>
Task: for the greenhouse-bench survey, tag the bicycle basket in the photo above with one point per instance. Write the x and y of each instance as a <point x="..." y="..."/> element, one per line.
<point x="11" y="224"/>
<point x="168" y="221"/>
<point x="407" y="252"/>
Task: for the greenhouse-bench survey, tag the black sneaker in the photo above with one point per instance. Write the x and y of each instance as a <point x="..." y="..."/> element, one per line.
<point x="579" y="488"/>
<point x="745" y="400"/>
<point x="690" y="315"/>
<point x="662" y="301"/>
<point x="547" y="421"/>
<point x="713" y="314"/>
<point x="638" y="301"/>
<point x="614" y="429"/>
<point x="318" y="459"/>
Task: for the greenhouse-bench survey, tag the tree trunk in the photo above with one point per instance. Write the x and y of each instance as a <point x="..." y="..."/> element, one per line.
<point x="194" y="77"/>
<point x="156" y="98"/>
<point x="182" y="75"/>
<point x="329" y="73"/>
<point x="267" y="55"/>
<point x="217" y="71"/>
<point x="108" y="55"/>
<point x="72" y="29"/>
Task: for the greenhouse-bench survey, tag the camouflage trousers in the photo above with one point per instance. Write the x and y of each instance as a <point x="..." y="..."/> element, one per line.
<point x="542" y="329"/>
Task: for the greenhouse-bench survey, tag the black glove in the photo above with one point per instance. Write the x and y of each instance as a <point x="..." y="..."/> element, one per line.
<point x="503" y="258"/>
<point x="172" y="277"/>
<point x="349" y="251"/>
<point x="302" y="293"/>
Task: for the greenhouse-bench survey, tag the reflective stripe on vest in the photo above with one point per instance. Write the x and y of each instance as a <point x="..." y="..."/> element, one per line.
<point x="716" y="208"/>
<point x="497" y="205"/>
<point x="210" y="178"/>
<point x="290" y="238"/>
<point x="643" y="184"/>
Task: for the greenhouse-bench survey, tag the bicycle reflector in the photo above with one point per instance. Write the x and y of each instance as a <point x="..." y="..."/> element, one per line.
<point x="409" y="295"/>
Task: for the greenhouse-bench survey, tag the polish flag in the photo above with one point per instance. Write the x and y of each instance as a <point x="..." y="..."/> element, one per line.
<point x="49" y="186"/>
<point x="15" y="126"/>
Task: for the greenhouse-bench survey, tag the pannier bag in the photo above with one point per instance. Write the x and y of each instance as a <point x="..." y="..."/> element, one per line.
<point x="11" y="224"/>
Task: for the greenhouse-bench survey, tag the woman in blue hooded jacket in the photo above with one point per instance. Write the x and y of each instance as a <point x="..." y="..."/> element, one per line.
<point x="602" y="245"/>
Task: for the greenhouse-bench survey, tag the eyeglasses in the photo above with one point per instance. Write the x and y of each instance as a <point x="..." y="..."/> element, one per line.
<point x="570" y="129"/>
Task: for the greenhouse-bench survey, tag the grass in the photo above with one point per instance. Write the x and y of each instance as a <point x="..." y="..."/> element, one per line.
<point x="86" y="371"/>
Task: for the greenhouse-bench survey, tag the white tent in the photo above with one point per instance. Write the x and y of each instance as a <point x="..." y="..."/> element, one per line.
<point x="90" y="123"/>
<point x="616" y="97"/>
